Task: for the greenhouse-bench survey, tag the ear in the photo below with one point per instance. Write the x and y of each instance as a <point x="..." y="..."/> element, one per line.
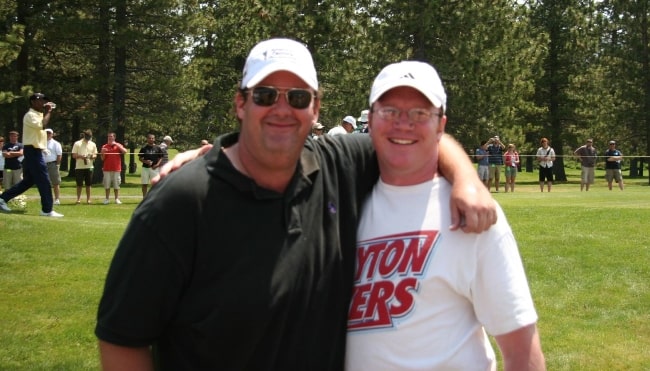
<point x="316" y="110"/>
<point x="239" y="102"/>
<point x="442" y="123"/>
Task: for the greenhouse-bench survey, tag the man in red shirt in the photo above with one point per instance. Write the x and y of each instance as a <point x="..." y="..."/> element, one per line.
<point x="112" y="168"/>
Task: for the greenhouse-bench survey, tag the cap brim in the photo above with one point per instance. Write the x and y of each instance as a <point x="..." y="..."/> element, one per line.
<point x="276" y="67"/>
<point x="405" y="83"/>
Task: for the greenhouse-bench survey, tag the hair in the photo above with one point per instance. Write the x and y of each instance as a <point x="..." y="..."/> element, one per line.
<point x="543" y="140"/>
<point x="483" y="142"/>
<point x="2" y="139"/>
<point x="14" y="132"/>
<point x="88" y="132"/>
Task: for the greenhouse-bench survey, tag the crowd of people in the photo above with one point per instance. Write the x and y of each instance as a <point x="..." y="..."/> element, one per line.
<point x="37" y="161"/>
<point x="490" y="157"/>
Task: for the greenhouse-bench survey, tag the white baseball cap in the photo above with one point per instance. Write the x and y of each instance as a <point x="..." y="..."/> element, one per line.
<point x="417" y="75"/>
<point x="275" y="55"/>
<point x="351" y="120"/>
<point x="167" y="138"/>
<point x="364" y="116"/>
<point x="48" y="130"/>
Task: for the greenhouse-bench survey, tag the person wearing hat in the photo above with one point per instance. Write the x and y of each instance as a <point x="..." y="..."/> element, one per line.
<point x="240" y="258"/>
<point x="426" y="297"/>
<point x="613" y="159"/>
<point x="35" y="122"/>
<point x="84" y="151"/>
<point x="164" y="145"/>
<point x="52" y="156"/>
<point x="317" y="130"/>
<point x="363" y="121"/>
<point x="347" y="126"/>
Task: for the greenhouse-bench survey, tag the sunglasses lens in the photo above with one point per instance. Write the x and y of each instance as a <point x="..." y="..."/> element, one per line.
<point x="263" y="96"/>
<point x="299" y="99"/>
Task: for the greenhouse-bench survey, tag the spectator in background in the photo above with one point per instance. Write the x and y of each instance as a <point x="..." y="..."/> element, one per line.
<point x="613" y="159"/>
<point x="495" y="150"/>
<point x="204" y="142"/>
<point x="35" y="170"/>
<point x="52" y="157"/>
<point x="164" y="146"/>
<point x="112" y="158"/>
<point x="2" y="161"/>
<point x="511" y="159"/>
<point x="587" y="156"/>
<point x="317" y="130"/>
<point x="12" y="151"/>
<point x="347" y="126"/>
<point x="84" y="151"/>
<point x="151" y="156"/>
<point x="482" y="158"/>
<point x="363" y="121"/>
<point x="545" y="156"/>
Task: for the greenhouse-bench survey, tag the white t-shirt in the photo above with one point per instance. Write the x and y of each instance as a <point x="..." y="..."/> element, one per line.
<point x="423" y="294"/>
<point x="337" y="130"/>
<point x="548" y="151"/>
<point x="55" y="150"/>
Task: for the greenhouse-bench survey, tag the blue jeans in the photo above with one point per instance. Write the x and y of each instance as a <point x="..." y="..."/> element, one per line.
<point x="34" y="173"/>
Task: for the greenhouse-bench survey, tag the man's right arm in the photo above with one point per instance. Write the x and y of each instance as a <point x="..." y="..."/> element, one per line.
<point x="522" y="350"/>
<point x="119" y="358"/>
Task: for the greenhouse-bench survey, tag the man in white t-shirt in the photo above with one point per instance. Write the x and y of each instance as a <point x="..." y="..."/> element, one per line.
<point x="426" y="297"/>
<point x="52" y="157"/>
<point x="347" y="126"/>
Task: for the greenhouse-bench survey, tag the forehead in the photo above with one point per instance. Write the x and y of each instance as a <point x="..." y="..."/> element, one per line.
<point x="283" y="79"/>
<point x="405" y="95"/>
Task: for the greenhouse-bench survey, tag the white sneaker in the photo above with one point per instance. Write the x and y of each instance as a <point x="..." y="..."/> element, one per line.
<point x="3" y="206"/>
<point x="118" y="202"/>
<point x="57" y="202"/>
<point x="52" y="213"/>
<point x="106" y="201"/>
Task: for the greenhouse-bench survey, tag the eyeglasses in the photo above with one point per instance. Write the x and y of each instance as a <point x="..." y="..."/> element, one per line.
<point x="267" y="96"/>
<point x="414" y="114"/>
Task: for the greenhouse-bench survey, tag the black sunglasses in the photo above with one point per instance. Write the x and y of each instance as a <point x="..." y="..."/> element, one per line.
<point x="266" y="96"/>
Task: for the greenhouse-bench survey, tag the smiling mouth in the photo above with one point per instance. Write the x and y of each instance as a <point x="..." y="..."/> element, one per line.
<point x="401" y="141"/>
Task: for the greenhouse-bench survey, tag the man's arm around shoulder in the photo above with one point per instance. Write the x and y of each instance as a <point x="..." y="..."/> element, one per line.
<point x="472" y="206"/>
<point x="522" y="350"/>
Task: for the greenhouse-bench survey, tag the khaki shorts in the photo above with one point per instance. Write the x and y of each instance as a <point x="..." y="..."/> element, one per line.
<point x="613" y="174"/>
<point x="147" y="174"/>
<point x="495" y="171"/>
<point x="112" y="179"/>
<point x="587" y="175"/>
<point x="53" y="172"/>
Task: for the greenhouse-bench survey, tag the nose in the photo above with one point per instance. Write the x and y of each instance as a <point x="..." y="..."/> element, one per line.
<point x="403" y="119"/>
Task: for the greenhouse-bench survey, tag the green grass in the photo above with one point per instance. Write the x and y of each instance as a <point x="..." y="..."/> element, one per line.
<point x="586" y="256"/>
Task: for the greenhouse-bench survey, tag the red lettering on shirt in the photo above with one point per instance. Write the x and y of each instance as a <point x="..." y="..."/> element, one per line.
<point x="387" y="277"/>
